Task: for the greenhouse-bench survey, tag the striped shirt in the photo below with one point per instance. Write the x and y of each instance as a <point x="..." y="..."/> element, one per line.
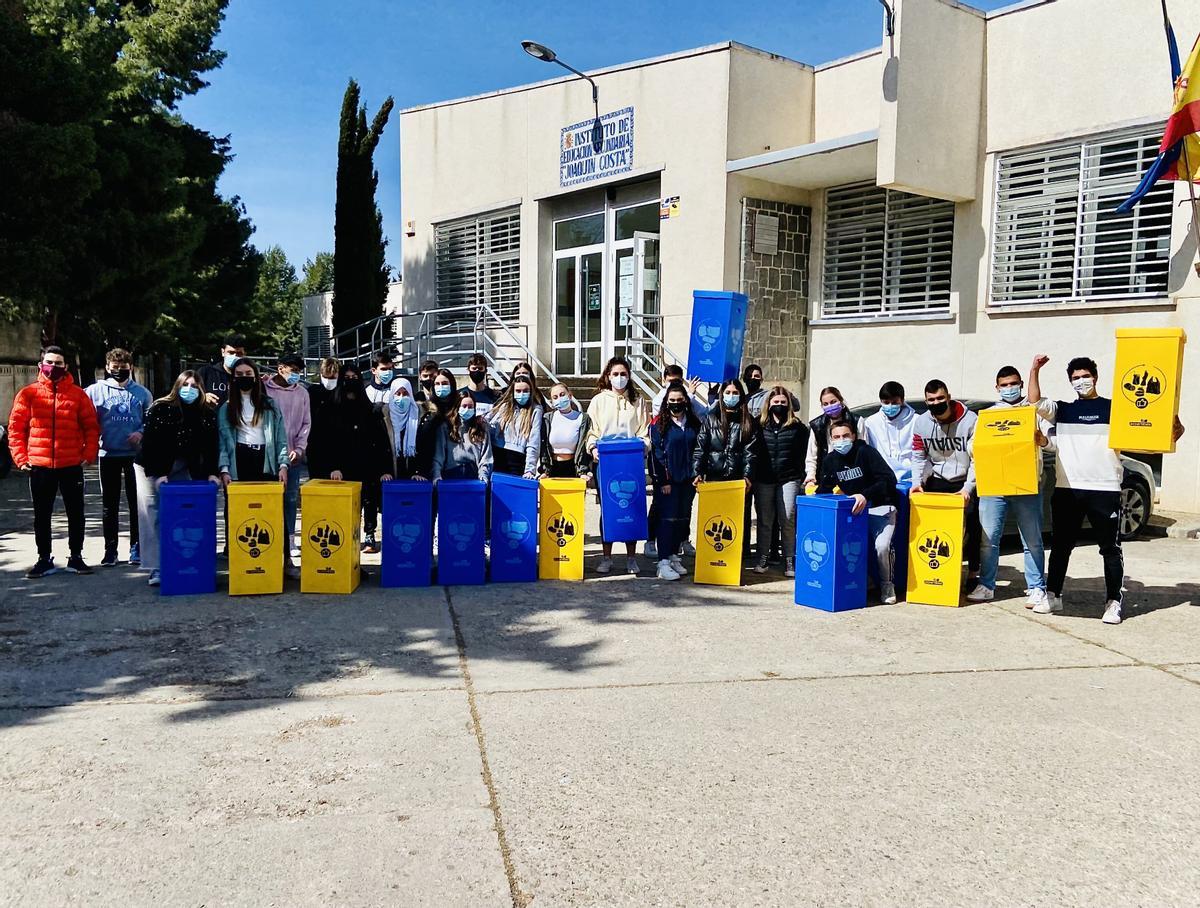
<point x="1085" y="461"/>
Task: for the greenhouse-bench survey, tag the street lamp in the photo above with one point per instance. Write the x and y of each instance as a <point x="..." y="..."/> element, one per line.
<point x="546" y="55"/>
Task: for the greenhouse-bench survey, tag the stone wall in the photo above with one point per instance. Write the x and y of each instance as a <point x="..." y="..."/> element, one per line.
<point x="777" y="285"/>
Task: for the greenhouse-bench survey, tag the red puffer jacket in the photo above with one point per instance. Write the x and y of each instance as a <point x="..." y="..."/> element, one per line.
<point x="53" y="424"/>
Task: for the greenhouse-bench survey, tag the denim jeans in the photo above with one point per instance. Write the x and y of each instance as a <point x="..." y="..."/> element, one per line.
<point x="291" y="504"/>
<point x="1028" y="511"/>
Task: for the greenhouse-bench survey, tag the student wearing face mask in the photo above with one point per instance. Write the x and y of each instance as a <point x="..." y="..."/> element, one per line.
<point x="756" y="394"/>
<point x="525" y="371"/>
<point x="383" y="371"/>
<point x="858" y="470"/>
<point x="180" y="443"/>
<point x="890" y="430"/>
<point x="672" y="445"/>
<point x="217" y="377"/>
<point x="485" y="397"/>
<point x="121" y="405"/>
<point x="1027" y="509"/>
<point x="674" y="373"/>
<point x="778" y="471"/>
<point x="427" y="373"/>
<point x="464" y="444"/>
<point x="320" y="397"/>
<point x="516" y="426"/>
<point x="943" y="442"/>
<point x="253" y="438"/>
<point x="52" y="433"/>
<point x="617" y="411"/>
<point x="833" y="407"/>
<point x="295" y="404"/>
<point x="564" y="437"/>
<point x="412" y="426"/>
<point x="727" y="442"/>
<point x="1089" y="475"/>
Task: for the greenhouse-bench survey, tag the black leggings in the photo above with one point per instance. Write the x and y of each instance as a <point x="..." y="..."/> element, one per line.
<point x="563" y="469"/>
<point x="1068" y="507"/>
<point x="114" y="471"/>
<point x="251" y="464"/>
<point x="45" y="485"/>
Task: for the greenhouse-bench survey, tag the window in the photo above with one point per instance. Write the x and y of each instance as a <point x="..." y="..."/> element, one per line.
<point x="1057" y="234"/>
<point x="887" y="253"/>
<point x="317" y="341"/>
<point x="479" y="262"/>
<point x="582" y="231"/>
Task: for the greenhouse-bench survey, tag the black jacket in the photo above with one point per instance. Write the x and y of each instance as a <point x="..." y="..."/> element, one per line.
<point x="349" y="436"/>
<point x="583" y="460"/>
<point x="781" y="452"/>
<point x="718" y="457"/>
<point x="421" y="463"/>
<point x="862" y="471"/>
<point x="216" y="380"/>
<point x="186" y="432"/>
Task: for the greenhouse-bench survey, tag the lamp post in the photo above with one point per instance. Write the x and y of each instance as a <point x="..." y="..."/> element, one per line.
<point x="546" y="55"/>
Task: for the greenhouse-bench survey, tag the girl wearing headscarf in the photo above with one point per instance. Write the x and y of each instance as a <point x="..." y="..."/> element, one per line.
<point x="412" y="427"/>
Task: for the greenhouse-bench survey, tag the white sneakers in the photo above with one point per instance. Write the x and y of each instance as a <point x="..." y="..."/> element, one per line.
<point x="1112" y="612"/>
<point x="1035" y="597"/>
<point x="605" y="566"/>
<point x="981" y="594"/>
<point x="632" y="566"/>
<point x="1049" y="603"/>
<point x="666" y="570"/>
<point x="887" y="593"/>
<point x="677" y="566"/>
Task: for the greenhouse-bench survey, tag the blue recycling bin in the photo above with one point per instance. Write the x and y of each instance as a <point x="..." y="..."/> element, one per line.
<point x="718" y="329"/>
<point x="407" y="558"/>
<point x="187" y="538"/>
<point x="621" y="478"/>
<point x="462" y="525"/>
<point x="514" y="529"/>
<point x="832" y="551"/>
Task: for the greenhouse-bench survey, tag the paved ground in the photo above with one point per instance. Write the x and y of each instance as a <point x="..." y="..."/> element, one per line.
<point x="620" y="742"/>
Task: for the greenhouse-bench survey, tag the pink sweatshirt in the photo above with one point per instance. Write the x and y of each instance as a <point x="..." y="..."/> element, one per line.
<point x="293" y="401"/>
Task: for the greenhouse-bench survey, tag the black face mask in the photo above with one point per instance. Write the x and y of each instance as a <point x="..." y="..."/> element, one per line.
<point x="939" y="409"/>
<point x="427" y="384"/>
<point x="476" y="375"/>
<point x="352" y="386"/>
<point x="243" y="382"/>
<point x="119" y="375"/>
<point x="779" y="411"/>
<point x="677" y="406"/>
<point x="753" y="385"/>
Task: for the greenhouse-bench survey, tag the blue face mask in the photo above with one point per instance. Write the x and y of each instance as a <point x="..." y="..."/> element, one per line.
<point x="843" y="445"/>
<point x="1011" y="394"/>
<point x="383" y="376"/>
<point x="891" y="411"/>
<point x="731" y="400"/>
<point x="402" y="404"/>
<point x="230" y="360"/>
<point x="293" y="378"/>
<point x="441" y="390"/>
<point x="522" y="398"/>
<point x="466" y="414"/>
<point x="563" y="404"/>
<point x="189" y="394"/>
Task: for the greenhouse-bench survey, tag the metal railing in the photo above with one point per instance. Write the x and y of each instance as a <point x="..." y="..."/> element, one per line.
<point x="648" y="353"/>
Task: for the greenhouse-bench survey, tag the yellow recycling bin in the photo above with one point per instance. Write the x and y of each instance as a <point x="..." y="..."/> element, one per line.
<point x="255" y="538"/>
<point x="560" y="548"/>
<point x="1146" y="384"/>
<point x="329" y="536"/>
<point x="720" y="533"/>
<point x="935" y="548"/>
<point x="1007" y="458"/>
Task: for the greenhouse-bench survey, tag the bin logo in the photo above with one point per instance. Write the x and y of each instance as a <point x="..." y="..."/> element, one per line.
<point x="254" y="538"/>
<point x="515" y="531"/>
<point x="852" y="552"/>
<point x="561" y="529"/>
<point x="1143" y="385"/>
<point x="623" y="489"/>
<point x="935" y="548"/>
<point x="816" y="549"/>
<point x="1004" y="426"/>
<point x="720" y="533"/>
<point x="326" y="538"/>
<point x="708" y="333"/>
<point x="406" y="535"/>
<point x="187" y="540"/>
<point x="461" y="532"/>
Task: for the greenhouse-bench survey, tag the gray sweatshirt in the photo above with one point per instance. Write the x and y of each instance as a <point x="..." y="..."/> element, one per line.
<point x="944" y="449"/>
<point x="464" y="457"/>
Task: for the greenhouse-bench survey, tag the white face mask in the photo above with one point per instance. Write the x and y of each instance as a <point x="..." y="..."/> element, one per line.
<point x="328" y="383"/>
<point x="1083" y="386"/>
<point x="619" y="382"/>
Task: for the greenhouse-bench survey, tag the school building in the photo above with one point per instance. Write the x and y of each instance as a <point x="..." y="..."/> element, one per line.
<point x="937" y="206"/>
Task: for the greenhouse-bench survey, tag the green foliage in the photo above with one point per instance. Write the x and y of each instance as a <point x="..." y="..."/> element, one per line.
<point x="361" y="272"/>
<point x="275" y="310"/>
<point x="318" y="274"/>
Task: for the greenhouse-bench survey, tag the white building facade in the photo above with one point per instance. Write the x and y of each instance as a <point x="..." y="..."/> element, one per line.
<point x="940" y="206"/>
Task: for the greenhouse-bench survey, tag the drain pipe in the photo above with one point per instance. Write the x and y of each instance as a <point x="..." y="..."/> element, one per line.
<point x="742" y="251"/>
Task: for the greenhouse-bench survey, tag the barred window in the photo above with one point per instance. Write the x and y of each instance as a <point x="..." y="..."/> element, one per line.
<point x="478" y="261"/>
<point x="1057" y="234"/>
<point x="317" y="341"/>
<point x="886" y="253"/>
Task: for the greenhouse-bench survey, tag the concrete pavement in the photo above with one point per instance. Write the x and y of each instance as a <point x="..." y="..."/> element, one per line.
<point x="621" y="741"/>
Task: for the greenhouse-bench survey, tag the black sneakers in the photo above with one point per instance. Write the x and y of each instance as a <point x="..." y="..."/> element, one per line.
<point x="76" y="565"/>
<point x="370" y="546"/>
<point x="109" y="559"/>
<point x="43" y="567"/>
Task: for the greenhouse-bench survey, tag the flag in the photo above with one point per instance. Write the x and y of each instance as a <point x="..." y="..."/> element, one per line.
<point x="1184" y="123"/>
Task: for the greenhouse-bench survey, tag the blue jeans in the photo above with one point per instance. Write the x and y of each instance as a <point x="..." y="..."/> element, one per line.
<point x="1028" y="510"/>
<point x="291" y="504"/>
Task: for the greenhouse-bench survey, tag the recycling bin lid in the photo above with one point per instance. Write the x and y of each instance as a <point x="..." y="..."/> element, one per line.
<point x="1152" y="332"/>
<point x="407" y="486"/>
<point x="189" y="487"/>
<point x="255" y="489"/>
<point x="564" y="485"/>
<point x="946" y="501"/>
<point x="718" y="295"/>
<point x="513" y="482"/>
<point x="724" y="485"/>
<point x="829" y="502"/>
<point x="461" y="486"/>
<point x="620" y="444"/>
<point x="329" y="488"/>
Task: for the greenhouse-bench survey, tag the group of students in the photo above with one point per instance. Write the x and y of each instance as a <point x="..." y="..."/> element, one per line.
<point x="226" y="422"/>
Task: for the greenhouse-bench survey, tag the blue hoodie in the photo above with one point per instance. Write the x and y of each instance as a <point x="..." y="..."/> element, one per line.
<point x="122" y="411"/>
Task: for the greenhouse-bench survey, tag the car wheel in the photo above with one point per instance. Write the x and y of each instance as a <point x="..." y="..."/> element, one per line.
<point x="1135" y="509"/>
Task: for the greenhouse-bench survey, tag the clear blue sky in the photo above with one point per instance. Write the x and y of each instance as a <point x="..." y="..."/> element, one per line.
<point x="279" y="93"/>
